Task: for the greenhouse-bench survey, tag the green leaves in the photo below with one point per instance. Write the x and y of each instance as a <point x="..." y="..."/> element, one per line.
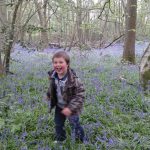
<point x="16" y="127"/>
<point x="2" y="123"/>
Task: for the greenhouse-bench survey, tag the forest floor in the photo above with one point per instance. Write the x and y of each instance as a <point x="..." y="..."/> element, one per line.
<point x="114" y="50"/>
<point x="116" y="114"/>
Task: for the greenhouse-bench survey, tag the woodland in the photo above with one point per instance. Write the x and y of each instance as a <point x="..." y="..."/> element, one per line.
<point x="108" y="42"/>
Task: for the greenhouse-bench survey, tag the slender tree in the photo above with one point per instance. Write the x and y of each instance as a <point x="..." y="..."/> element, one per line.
<point x="129" y="44"/>
<point x="3" y="26"/>
<point x="145" y="69"/>
<point x="42" y="13"/>
<point x="9" y="38"/>
<point x="79" y="22"/>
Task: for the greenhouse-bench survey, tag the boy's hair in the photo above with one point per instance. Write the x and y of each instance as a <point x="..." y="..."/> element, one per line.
<point x="62" y="54"/>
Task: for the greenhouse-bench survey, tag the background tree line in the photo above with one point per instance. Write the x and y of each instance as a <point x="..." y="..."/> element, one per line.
<point x="38" y="24"/>
<point x="84" y="23"/>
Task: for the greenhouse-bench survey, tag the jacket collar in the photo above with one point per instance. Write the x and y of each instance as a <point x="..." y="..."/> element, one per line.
<point x="71" y="75"/>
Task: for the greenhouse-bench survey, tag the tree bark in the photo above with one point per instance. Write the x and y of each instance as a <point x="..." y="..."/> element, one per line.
<point x="3" y="26"/>
<point x="129" y="44"/>
<point x="79" y="22"/>
<point x="43" y="21"/>
<point x="87" y="31"/>
<point x="2" y="69"/>
<point x="10" y="38"/>
<point x="145" y="69"/>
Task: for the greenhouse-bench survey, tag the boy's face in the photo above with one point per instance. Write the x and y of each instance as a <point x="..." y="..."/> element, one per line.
<point x="60" y="66"/>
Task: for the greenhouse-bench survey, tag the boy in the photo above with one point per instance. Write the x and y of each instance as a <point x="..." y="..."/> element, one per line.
<point x="66" y="93"/>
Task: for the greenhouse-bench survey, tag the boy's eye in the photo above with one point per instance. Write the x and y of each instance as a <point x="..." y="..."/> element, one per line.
<point x="60" y="62"/>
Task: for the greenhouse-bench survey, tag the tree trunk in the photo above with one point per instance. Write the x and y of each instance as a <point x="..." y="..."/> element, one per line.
<point x="2" y="69"/>
<point x="87" y="31"/>
<point x="3" y="26"/>
<point x="10" y="38"/>
<point x="79" y="22"/>
<point x="129" y="45"/>
<point x="43" y="21"/>
<point x="3" y="13"/>
<point x="145" y="69"/>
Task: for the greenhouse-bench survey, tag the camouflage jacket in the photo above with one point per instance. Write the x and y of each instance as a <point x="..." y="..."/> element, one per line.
<point x="73" y="92"/>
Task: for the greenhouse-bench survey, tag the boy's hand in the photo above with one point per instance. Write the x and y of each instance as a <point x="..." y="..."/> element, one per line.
<point x="47" y="98"/>
<point x="66" y="111"/>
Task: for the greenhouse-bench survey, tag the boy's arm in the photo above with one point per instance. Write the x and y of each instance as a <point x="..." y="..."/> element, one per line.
<point x="76" y="104"/>
<point x="48" y="94"/>
<point x="48" y="91"/>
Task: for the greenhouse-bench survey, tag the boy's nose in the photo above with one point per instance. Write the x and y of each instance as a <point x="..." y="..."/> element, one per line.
<point x="57" y="66"/>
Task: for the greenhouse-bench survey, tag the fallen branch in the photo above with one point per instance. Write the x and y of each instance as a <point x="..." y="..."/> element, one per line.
<point x="114" y="40"/>
<point x="124" y="79"/>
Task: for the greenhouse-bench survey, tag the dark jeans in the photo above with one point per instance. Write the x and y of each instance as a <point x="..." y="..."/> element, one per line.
<point x="76" y="129"/>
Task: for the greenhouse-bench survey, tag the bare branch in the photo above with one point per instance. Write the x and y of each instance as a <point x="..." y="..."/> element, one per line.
<point x="54" y="11"/>
<point x="103" y="8"/>
<point x="114" y="40"/>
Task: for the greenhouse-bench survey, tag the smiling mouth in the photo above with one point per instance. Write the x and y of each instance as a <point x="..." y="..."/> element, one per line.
<point x="58" y="69"/>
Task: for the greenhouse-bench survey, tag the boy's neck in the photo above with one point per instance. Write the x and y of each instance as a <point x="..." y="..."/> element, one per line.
<point x="60" y="76"/>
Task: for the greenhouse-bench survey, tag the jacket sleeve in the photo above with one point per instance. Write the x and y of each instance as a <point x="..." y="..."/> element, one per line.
<point x="50" y="85"/>
<point x="51" y="96"/>
<point x="48" y="93"/>
<point x="76" y="103"/>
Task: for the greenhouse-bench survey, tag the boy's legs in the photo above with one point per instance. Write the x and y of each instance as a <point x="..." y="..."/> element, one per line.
<point x="59" y="124"/>
<point x="76" y="127"/>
